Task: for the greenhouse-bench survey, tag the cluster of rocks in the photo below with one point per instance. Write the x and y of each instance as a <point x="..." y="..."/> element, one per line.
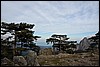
<point x="61" y="59"/>
<point x="29" y="60"/>
<point x="6" y="62"/>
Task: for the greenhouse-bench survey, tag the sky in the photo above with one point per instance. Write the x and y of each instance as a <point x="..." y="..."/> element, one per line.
<point x="76" y="19"/>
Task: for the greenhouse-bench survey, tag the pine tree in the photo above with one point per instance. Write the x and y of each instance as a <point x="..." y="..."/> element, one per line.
<point x="60" y="42"/>
<point x="21" y="33"/>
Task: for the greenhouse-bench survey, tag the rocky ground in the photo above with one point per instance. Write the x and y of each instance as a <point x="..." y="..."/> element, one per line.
<point x="46" y="58"/>
<point x="63" y="59"/>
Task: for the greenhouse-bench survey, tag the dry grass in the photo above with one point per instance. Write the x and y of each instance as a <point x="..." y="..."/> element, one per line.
<point x="63" y="59"/>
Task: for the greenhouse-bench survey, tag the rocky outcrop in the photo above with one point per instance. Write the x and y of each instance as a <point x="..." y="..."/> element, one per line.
<point x="6" y="62"/>
<point x="84" y="44"/>
<point x="20" y="60"/>
<point x="61" y="59"/>
<point x="36" y="63"/>
<point x="31" y="59"/>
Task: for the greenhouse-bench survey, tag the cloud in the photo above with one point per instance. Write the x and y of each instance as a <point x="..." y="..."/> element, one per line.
<point x="66" y="17"/>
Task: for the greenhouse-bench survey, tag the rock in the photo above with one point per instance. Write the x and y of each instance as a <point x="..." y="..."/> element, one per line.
<point x="36" y="63"/>
<point x="31" y="58"/>
<point x="20" y="60"/>
<point x="6" y="62"/>
<point x="84" y="44"/>
<point x="82" y="56"/>
<point x="16" y="65"/>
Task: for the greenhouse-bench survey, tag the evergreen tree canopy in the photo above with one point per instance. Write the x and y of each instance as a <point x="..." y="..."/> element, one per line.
<point x="22" y="33"/>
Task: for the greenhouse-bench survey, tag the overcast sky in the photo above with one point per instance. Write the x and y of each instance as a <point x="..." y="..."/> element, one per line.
<point x="77" y="19"/>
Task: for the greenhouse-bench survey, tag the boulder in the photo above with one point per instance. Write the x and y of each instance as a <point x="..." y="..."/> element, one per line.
<point x="31" y="58"/>
<point x="20" y="60"/>
<point x="36" y="63"/>
<point x="6" y="62"/>
<point x="84" y="44"/>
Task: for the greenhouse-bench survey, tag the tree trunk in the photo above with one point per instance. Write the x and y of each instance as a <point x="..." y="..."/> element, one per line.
<point x="21" y="48"/>
<point x="14" y="46"/>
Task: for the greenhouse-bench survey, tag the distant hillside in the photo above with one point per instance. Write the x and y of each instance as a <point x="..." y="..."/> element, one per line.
<point x="42" y="47"/>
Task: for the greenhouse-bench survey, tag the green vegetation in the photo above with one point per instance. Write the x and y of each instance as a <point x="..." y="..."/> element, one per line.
<point x="60" y="43"/>
<point x="20" y="32"/>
